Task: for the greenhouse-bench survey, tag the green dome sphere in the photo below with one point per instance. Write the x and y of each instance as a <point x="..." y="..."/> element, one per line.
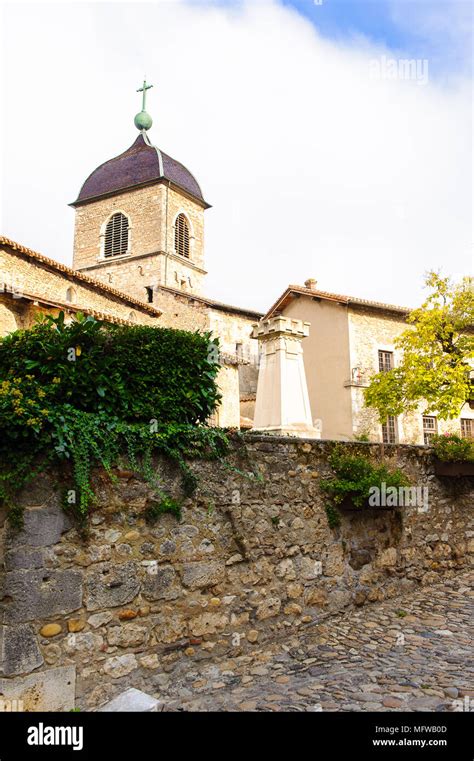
<point x="143" y="120"/>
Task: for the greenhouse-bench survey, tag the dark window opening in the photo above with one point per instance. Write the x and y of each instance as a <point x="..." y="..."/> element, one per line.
<point x="116" y="236"/>
<point x="181" y="236"/>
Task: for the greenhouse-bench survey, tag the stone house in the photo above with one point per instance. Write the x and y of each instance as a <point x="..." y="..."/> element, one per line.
<point x="349" y="340"/>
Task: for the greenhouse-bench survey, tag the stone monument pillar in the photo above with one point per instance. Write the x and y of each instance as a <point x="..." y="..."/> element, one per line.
<point x="282" y="405"/>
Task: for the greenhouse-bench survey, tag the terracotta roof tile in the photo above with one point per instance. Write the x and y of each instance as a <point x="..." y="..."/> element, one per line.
<point x="78" y="276"/>
<point x="325" y="295"/>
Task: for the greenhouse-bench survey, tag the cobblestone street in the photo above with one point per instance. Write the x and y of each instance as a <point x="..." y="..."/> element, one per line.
<point x="407" y="654"/>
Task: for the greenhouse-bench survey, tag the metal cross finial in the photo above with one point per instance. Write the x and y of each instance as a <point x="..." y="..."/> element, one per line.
<point x="143" y="90"/>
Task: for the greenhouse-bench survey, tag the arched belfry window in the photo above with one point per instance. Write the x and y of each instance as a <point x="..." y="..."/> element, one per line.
<point x="181" y="236"/>
<point x="116" y="235"/>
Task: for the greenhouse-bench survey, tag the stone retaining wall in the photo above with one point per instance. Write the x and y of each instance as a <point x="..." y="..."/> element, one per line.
<point x="84" y="619"/>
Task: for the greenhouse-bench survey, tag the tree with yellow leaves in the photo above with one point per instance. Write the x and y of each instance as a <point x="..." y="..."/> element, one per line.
<point x="437" y="356"/>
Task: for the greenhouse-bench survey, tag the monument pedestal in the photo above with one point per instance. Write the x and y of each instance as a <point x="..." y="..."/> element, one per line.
<point x="282" y="405"/>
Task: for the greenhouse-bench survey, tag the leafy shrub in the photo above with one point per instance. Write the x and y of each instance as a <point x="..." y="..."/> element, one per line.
<point x="130" y="372"/>
<point x="93" y="394"/>
<point x="355" y="475"/>
<point x="449" y="447"/>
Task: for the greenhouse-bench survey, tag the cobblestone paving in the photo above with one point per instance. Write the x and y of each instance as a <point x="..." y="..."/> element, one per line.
<point x="406" y="654"/>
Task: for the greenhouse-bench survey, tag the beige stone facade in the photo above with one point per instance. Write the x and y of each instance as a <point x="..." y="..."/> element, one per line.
<point x="151" y="259"/>
<point x="342" y="353"/>
<point x="371" y="331"/>
<point x="31" y="283"/>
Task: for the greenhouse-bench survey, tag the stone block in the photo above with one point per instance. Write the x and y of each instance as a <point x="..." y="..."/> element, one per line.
<point x="51" y="690"/>
<point x="85" y="643"/>
<point x="202" y="575"/>
<point x="120" y="665"/>
<point x="333" y="562"/>
<point x="39" y="491"/>
<point x="162" y="585"/>
<point x="316" y="597"/>
<point x="207" y="623"/>
<point x="268" y="608"/>
<point x="21" y="558"/>
<point x="307" y="568"/>
<point x="387" y="558"/>
<point x="130" y="635"/>
<point x="43" y="526"/>
<point x="40" y="594"/>
<point x="99" y="619"/>
<point x="19" y="651"/>
<point x="132" y="700"/>
<point x="170" y="628"/>
<point x="110" y="586"/>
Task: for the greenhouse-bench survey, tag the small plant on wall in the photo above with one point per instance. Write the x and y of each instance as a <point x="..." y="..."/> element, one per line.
<point x="454" y="455"/>
<point x="354" y="479"/>
<point x="449" y="447"/>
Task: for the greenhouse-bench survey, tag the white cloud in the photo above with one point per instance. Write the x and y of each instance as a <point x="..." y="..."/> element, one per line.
<point x="313" y="168"/>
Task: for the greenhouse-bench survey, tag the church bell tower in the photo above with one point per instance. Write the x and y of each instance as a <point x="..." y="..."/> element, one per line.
<point x="140" y="220"/>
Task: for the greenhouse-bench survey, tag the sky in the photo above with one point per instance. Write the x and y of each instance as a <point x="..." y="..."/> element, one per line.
<point x="321" y="153"/>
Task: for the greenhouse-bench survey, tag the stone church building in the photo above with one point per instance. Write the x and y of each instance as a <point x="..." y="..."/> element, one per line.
<point x="139" y="258"/>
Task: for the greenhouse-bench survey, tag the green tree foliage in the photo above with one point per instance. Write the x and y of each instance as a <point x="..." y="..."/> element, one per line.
<point x="437" y="355"/>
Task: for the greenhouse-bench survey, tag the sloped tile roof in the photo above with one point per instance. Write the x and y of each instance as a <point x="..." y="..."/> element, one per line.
<point x="78" y="276"/>
<point x="293" y="290"/>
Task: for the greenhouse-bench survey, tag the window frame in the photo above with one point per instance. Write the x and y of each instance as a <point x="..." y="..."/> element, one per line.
<point x="183" y="216"/>
<point x="382" y="354"/>
<point x="103" y="237"/>
<point x="387" y="434"/>
<point x="428" y="431"/>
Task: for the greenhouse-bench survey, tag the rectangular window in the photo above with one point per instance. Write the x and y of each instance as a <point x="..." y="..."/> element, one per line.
<point x="385" y="361"/>
<point x="430" y="429"/>
<point x="149" y="294"/>
<point x="467" y="428"/>
<point x="389" y="431"/>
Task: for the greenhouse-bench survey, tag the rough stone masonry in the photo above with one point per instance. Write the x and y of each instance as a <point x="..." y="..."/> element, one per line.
<point x="253" y="559"/>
